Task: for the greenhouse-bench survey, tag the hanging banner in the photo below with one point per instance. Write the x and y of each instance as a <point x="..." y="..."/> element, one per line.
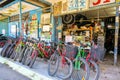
<point x="94" y="3"/>
<point x="74" y="5"/>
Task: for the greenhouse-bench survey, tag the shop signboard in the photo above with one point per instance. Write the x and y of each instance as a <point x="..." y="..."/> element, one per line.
<point x="77" y="4"/>
<point x="72" y="4"/>
<point x="94" y="3"/>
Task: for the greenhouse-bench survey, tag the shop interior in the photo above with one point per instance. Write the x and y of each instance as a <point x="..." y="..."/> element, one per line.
<point x="98" y="25"/>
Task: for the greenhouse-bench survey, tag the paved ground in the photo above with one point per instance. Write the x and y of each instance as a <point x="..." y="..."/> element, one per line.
<point x="6" y="73"/>
<point x="108" y="70"/>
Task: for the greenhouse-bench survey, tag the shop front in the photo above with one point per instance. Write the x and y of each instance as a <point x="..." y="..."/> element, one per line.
<point x="87" y="21"/>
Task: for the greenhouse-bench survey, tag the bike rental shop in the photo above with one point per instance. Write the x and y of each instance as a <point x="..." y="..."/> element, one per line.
<point x="87" y="24"/>
<point x="98" y="23"/>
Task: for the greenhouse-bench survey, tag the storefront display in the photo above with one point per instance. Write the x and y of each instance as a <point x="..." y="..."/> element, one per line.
<point x="33" y="28"/>
<point x="46" y="33"/>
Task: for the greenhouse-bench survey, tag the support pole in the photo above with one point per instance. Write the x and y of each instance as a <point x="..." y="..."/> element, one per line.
<point x="116" y="35"/>
<point x="20" y="18"/>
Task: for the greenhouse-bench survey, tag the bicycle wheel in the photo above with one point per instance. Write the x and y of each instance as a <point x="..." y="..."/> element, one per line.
<point x="94" y="70"/>
<point x="53" y="64"/>
<point x="65" y="68"/>
<point x="21" y="55"/>
<point x="17" y="52"/>
<point x="29" y="51"/>
<point x="4" y="49"/>
<point x="8" y="53"/>
<point x="82" y="68"/>
<point x="33" y="60"/>
<point x="13" y="54"/>
<point x="29" y="58"/>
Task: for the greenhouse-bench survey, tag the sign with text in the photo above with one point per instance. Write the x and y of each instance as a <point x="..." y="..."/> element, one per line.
<point x="77" y="4"/>
<point x="100" y="2"/>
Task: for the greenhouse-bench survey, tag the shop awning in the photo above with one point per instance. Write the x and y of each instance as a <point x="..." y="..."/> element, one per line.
<point x="40" y="3"/>
<point x="12" y="8"/>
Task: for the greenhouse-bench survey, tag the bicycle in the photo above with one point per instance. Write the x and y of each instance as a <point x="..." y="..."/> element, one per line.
<point x="38" y="50"/>
<point x="94" y="69"/>
<point x="59" y="64"/>
<point x="66" y="56"/>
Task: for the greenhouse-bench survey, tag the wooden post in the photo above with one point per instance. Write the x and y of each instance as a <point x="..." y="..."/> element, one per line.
<point x="116" y="35"/>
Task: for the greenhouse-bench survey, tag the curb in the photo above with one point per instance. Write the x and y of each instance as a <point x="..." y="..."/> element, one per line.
<point x="24" y="71"/>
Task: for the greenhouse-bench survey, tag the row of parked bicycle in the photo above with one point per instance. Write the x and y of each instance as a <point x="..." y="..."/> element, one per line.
<point x="65" y="60"/>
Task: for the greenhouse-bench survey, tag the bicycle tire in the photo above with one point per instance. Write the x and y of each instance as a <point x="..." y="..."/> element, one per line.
<point x="24" y="55"/>
<point x="17" y="52"/>
<point x="12" y="50"/>
<point x="29" y="58"/>
<point x="29" y="51"/>
<point x="97" y="70"/>
<point x="68" y="71"/>
<point x="33" y="61"/>
<point x="13" y="54"/>
<point x="20" y="57"/>
<point x="4" y="52"/>
<point x="9" y="50"/>
<point x="83" y="67"/>
<point x="54" y="59"/>
<point x="10" y="53"/>
<point x="4" y="48"/>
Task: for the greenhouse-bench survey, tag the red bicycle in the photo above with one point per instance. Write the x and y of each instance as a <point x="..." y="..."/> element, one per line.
<point x="38" y="50"/>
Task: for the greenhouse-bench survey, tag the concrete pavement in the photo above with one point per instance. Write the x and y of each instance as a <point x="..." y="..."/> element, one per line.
<point x="6" y="73"/>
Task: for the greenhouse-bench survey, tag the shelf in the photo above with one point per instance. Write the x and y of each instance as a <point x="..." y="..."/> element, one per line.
<point x="78" y="29"/>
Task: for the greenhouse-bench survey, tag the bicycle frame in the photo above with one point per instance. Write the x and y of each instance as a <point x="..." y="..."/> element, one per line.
<point x="42" y="49"/>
